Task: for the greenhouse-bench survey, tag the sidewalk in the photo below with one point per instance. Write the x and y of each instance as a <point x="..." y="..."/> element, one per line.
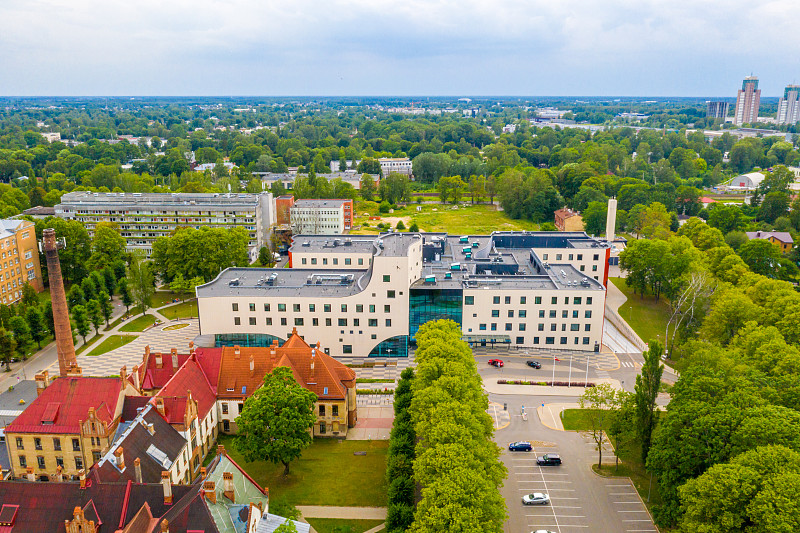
<point x="550" y="414"/>
<point x="544" y="390"/>
<point x="351" y="513"/>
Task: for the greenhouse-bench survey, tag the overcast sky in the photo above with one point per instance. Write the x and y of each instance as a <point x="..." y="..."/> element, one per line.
<point x="408" y="47"/>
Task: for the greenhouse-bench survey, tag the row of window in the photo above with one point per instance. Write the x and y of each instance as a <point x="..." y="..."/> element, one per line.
<point x="595" y="257"/>
<point x="334" y="261"/>
<point x="299" y="321"/>
<point x="37" y="444"/>
<point x="522" y="313"/>
<point x="552" y="340"/>
<point x="41" y="463"/>
<point x="326" y="308"/>
<point x="540" y="327"/>
<point x="537" y="300"/>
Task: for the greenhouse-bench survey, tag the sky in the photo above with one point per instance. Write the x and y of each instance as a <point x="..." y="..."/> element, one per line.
<point x="405" y="48"/>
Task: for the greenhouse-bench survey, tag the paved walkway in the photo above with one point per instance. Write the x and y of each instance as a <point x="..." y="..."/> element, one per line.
<point x="350" y="513"/>
<point x="550" y="414"/>
<point x="374" y="423"/>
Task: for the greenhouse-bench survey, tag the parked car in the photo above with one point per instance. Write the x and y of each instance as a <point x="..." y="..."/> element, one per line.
<point x="534" y="364"/>
<point x="520" y="446"/>
<point x="498" y="363"/>
<point x="537" y="498"/>
<point x="549" y="459"/>
<point x="543" y="531"/>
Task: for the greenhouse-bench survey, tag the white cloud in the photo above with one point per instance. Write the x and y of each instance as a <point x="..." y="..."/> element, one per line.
<point x="390" y="47"/>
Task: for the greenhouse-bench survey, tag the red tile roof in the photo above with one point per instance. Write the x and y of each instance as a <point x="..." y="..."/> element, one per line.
<point x="153" y="378"/>
<point x="66" y="402"/>
<point x="189" y="377"/>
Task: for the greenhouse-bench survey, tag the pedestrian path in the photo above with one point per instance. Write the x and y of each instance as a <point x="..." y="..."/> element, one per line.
<point x="348" y="513"/>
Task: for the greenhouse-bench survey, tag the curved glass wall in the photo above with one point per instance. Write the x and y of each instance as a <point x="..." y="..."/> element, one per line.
<point x="391" y="347"/>
<point x="250" y="340"/>
<point x="433" y="304"/>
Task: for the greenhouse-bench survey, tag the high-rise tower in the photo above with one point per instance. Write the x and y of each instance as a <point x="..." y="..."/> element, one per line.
<point x="748" y="100"/>
<point x="63" y="329"/>
<point x="788" y="106"/>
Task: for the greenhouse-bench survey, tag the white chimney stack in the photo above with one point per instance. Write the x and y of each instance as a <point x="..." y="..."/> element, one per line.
<point x="611" y="219"/>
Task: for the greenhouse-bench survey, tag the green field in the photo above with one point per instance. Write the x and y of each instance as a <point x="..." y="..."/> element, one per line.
<point x="112" y="343"/>
<point x="338" y="525"/>
<point x="138" y="324"/>
<point x="645" y="316"/>
<point x="89" y="342"/>
<point x="161" y="299"/>
<point x="326" y="474"/>
<point x="182" y="310"/>
<point x="473" y="219"/>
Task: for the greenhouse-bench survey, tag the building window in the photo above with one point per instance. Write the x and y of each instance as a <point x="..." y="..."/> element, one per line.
<point x="520" y="340"/>
<point x="281" y="308"/>
<point x="224" y="408"/>
<point x="235" y="307"/>
<point x="587" y="327"/>
<point x="372" y="322"/>
<point x="510" y="313"/>
<point x="540" y="327"/>
<point x="482" y="327"/>
<point x="523" y="300"/>
<point x="252" y="321"/>
<point x="303" y="260"/>
<point x="388" y="322"/>
<point x="252" y="308"/>
<point x="575" y="314"/>
<point x="553" y="327"/>
<point x="586" y="340"/>
<point x="493" y="326"/>
<point x="237" y="321"/>
<point x="19" y="444"/>
<point x="60" y="462"/>
<point x="360" y="261"/>
<point x="507" y="300"/>
<point x="587" y="313"/>
<point x="359" y="308"/>
<point x="558" y="257"/>
<point x="588" y="300"/>
<point x="322" y="428"/>
<point x="541" y="313"/>
<point x="313" y="260"/>
<point x="328" y="322"/>
<point x="296" y="308"/>
<point x="570" y="257"/>
<point x="315" y="322"/>
<point x="326" y="308"/>
<point x="269" y="321"/>
<point x="563" y="340"/>
<point x="522" y="326"/>
<point x="594" y="268"/>
<point x="240" y="406"/>
<point x="356" y="323"/>
<point x="96" y="456"/>
<point x="298" y="321"/>
<point x="342" y="321"/>
<point x="580" y="257"/>
<point x="574" y="327"/>
<point x="347" y="261"/>
<point x="390" y="294"/>
<point x="495" y="313"/>
<point x="554" y="300"/>
<point x="583" y="267"/>
<point x="564" y="313"/>
<point x="344" y="308"/>
<point x="577" y="300"/>
<point x="57" y="444"/>
<point x="335" y="261"/>
<point x="283" y="321"/>
<point x="508" y="326"/>
<point x="324" y="260"/>
<point x="469" y="300"/>
<point x="266" y="308"/>
<point x="522" y="313"/>
<point x="79" y="463"/>
<point x="23" y="462"/>
<point x="387" y="278"/>
<point x="334" y="410"/>
<point x="496" y="300"/>
<point x="226" y="426"/>
<point x="552" y="313"/>
<point x="372" y="308"/>
<point x="387" y="308"/>
<point x="347" y="348"/>
<point x="321" y="410"/>
<point x="76" y="445"/>
<point x="549" y="340"/>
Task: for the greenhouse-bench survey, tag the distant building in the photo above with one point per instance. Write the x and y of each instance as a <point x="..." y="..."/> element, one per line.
<point x="788" y="105"/>
<point x="510" y="128"/>
<point x="717" y="109"/>
<point x="350" y="164"/>
<point x="748" y="181"/>
<point x="52" y="137"/>
<point x="401" y="165"/>
<point x="638" y="117"/>
<point x="321" y="217"/>
<point x="40" y="212"/>
<point x="19" y="259"/>
<point x="283" y="209"/>
<point x="568" y="220"/>
<point x="551" y="113"/>
<point x="748" y="100"/>
<point x="782" y="239"/>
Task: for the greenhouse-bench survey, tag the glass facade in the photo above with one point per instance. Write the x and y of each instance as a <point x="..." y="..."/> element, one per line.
<point x="391" y="347"/>
<point x="249" y="340"/>
<point x="433" y="304"/>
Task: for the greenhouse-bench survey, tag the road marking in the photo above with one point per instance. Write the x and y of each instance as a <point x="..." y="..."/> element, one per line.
<point x="625" y="485"/>
<point x="620" y="493"/>
<point x="637" y="520"/>
<point x="631" y="511"/>
<point x="626" y="502"/>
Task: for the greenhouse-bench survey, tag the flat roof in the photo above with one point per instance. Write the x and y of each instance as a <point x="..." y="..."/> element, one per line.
<point x="320" y="203"/>
<point x="332" y="244"/>
<point x="286" y="282"/>
<point x="143" y="199"/>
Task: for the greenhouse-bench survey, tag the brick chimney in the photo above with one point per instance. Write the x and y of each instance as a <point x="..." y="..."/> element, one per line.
<point x="174" y="353"/>
<point x="29" y="475"/>
<point x="59" y="474"/>
<point x="63" y="329"/>
<point x="160" y="406"/>
<point x="164" y="527"/>
<point x="203" y="472"/>
<point x="82" y="476"/>
<point x="42" y="381"/>
<point x="252" y="365"/>
<point x="220" y="449"/>
<point x="227" y="486"/>
<point x="191" y="346"/>
<point x="210" y="491"/>
<point x="237" y="352"/>
<point x="136" y="383"/>
<point x="137" y="469"/>
<point x="123" y="375"/>
<point x="119" y="458"/>
<point x="159" y="360"/>
<point x="167" y="485"/>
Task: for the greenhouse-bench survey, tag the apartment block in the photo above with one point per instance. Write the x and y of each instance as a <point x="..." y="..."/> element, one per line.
<point x="401" y="165"/>
<point x="717" y="109"/>
<point x="321" y="217"/>
<point x="368" y="296"/>
<point x="748" y="100"/>
<point x="144" y="217"/>
<point x="19" y="259"/>
<point x="788" y="106"/>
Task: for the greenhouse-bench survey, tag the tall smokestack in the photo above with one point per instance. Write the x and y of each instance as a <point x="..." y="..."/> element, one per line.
<point x="63" y="329"/>
<point x="611" y="219"/>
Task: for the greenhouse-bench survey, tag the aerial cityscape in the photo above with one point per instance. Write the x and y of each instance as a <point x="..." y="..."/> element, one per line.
<point x="399" y="268"/>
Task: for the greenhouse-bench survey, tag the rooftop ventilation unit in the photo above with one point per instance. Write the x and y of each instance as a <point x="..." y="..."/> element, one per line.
<point x="466" y="249"/>
<point x="465" y="238"/>
<point x="475" y="244"/>
<point x="455" y="266"/>
<point x="430" y="279"/>
<point x="306" y="243"/>
<point x="448" y="275"/>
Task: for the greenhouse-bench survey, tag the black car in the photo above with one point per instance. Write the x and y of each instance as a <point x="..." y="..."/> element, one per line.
<point x="549" y="459"/>
<point x="520" y="446"/>
<point x="534" y="364"/>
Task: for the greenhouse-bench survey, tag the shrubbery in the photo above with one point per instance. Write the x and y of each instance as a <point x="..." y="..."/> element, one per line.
<point x="399" y="465"/>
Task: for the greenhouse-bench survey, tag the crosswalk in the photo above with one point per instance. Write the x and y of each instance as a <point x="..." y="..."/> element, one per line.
<point x="629" y="364"/>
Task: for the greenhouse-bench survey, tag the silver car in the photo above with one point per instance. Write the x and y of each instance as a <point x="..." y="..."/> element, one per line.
<point x="537" y="498"/>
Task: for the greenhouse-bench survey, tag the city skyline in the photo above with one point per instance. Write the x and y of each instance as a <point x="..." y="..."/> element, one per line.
<point x="352" y="47"/>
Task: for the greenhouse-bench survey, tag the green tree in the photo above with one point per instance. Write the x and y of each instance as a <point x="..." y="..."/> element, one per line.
<point x="646" y="393"/>
<point x="75" y="296"/>
<point x="761" y="256"/>
<point x="109" y="279"/>
<point x="774" y="205"/>
<point x="108" y="246"/>
<point x="81" y="320"/>
<point x="8" y="347"/>
<point x="368" y="188"/>
<point x="394" y="188"/>
<point x="142" y="282"/>
<point x="179" y="286"/>
<point x="89" y="288"/>
<point x="95" y="315"/>
<point x="594" y="218"/>
<point x="106" y="309"/>
<point x="22" y="333"/>
<point x="29" y="296"/>
<point x="600" y="403"/>
<point x="414" y="227"/>
<point x="275" y="424"/>
<point x="726" y="218"/>
<point x="125" y="294"/>
<point x="204" y="252"/>
<point x="36" y="325"/>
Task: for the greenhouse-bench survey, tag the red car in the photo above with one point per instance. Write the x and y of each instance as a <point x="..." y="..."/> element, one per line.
<point x="498" y="363"/>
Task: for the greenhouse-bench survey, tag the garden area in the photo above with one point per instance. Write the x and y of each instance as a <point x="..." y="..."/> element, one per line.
<point x="328" y="473"/>
<point x="112" y="343"/>
<point x="139" y="323"/>
<point x="646" y="316"/>
<point x="340" y="525"/>
<point x="182" y="310"/>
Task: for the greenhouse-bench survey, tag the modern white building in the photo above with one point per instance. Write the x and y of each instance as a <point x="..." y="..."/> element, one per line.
<point x="321" y="217"/>
<point x="788" y="106"/>
<point x="748" y="100"/>
<point x="368" y="296"/>
<point x="144" y="217"/>
<point x="401" y="165"/>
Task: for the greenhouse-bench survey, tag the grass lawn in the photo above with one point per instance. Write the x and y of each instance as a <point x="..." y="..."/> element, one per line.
<point x="473" y="219"/>
<point x="87" y="345"/>
<point x="182" y="310"/>
<point x="647" y="317"/>
<point x="138" y="323"/>
<point x="161" y="298"/>
<point x="630" y="464"/>
<point x="338" y="525"/>
<point x="326" y="474"/>
<point x="112" y="343"/>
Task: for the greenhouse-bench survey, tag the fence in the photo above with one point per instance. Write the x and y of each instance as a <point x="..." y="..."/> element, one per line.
<point x="624" y="328"/>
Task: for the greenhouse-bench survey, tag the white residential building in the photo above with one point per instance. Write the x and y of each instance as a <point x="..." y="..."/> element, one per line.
<point x="788" y="106"/>
<point x="401" y="165"/>
<point x="323" y="217"/>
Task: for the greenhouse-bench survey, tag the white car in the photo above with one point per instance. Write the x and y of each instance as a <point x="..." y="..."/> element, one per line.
<point x="537" y="498"/>
<point x="542" y="531"/>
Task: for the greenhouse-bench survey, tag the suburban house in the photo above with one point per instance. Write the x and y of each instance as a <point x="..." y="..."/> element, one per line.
<point x="568" y="220"/>
<point x="781" y="238"/>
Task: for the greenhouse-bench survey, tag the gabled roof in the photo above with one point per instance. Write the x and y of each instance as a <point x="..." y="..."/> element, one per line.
<point x="66" y="402"/>
<point x="329" y="379"/>
<point x="189" y="377"/>
<point x="230" y="516"/>
<point x="782" y="236"/>
<point x="153" y="378"/>
<point x="149" y="438"/>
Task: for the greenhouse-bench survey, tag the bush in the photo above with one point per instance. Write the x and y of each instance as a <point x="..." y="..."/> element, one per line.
<point x="384" y="207"/>
<point x="545" y="383"/>
<point x="413" y="227"/>
<point x="418" y="199"/>
<point x="400" y="225"/>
